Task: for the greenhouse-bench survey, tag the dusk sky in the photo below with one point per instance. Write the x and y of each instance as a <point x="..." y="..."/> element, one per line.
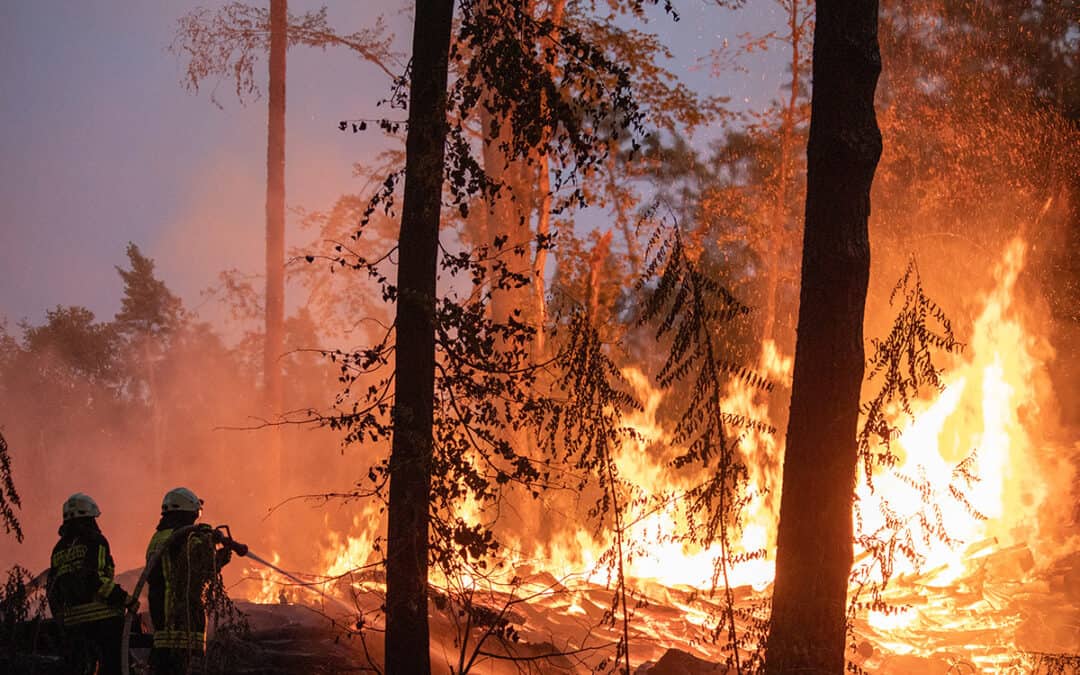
<point x="101" y="145"/>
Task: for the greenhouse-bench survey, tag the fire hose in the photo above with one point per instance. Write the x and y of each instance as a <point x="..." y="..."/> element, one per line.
<point x="223" y="536"/>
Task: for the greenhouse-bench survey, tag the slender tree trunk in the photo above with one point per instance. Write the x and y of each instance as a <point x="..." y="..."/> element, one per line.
<point x="155" y="410"/>
<point x="407" y="650"/>
<point x="543" y="230"/>
<point x="597" y="259"/>
<point x="508" y="217"/>
<point x="787" y="137"/>
<point x="500" y="212"/>
<point x="543" y="213"/>
<point x="814" y="549"/>
<point x="633" y="252"/>
<point x="275" y="235"/>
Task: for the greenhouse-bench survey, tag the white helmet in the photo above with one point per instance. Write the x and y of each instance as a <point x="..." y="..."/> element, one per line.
<point x="80" y="505"/>
<point x="181" y="499"/>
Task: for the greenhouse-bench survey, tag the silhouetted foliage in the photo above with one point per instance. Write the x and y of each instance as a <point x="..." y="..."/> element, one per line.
<point x="228" y="43"/>
<point x="1055" y="664"/>
<point x="22" y="612"/>
<point x="903" y="363"/>
<point x="694" y="310"/>
<point x="585" y="428"/>
<point x="9" y="497"/>
<point x="79" y="342"/>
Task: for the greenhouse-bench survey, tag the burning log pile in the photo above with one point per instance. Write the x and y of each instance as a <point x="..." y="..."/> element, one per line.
<point x="1002" y="614"/>
<point x="978" y="580"/>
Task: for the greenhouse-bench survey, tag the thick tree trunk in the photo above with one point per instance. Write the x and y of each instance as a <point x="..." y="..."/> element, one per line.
<point x="407" y="651"/>
<point x="814" y="549"/>
<point x="275" y="233"/>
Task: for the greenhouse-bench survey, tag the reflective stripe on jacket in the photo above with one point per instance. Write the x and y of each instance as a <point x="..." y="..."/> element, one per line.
<point x="81" y="586"/>
<point x="176" y="587"/>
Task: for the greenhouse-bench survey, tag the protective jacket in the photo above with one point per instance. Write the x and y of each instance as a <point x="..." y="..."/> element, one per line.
<point x="176" y="585"/>
<point x="81" y="586"/>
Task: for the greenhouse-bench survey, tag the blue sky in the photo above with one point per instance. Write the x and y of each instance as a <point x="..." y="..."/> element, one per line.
<point x="100" y="144"/>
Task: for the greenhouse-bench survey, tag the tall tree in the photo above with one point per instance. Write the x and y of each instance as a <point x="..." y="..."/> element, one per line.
<point x="814" y="547"/>
<point x="453" y="446"/>
<point x="275" y="228"/>
<point x="414" y="385"/>
<point x="148" y="307"/>
<point x="227" y="44"/>
<point x="799" y="17"/>
<point x="149" y="314"/>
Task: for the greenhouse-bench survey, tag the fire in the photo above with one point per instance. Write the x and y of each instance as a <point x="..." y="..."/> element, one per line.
<point x="345" y="555"/>
<point x="977" y="414"/>
<point x="344" y="558"/>
<point x="667" y="559"/>
<point x="968" y="485"/>
<point x="265" y="587"/>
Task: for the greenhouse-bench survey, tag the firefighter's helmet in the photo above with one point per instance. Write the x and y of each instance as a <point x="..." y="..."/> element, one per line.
<point x="181" y="499"/>
<point x="80" y="505"/>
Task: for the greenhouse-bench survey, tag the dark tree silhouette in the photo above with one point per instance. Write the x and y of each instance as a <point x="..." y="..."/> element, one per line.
<point x="814" y="542"/>
<point x="148" y="307"/>
<point x="9" y="498"/>
<point x="414" y="385"/>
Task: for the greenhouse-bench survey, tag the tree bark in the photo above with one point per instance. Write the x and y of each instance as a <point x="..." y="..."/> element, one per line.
<point x="275" y="234"/>
<point x="814" y="548"/>
<point x="407" y="650"/>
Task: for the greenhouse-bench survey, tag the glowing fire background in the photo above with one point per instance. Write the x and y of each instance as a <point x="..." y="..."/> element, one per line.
<point x="1006" y="415"/>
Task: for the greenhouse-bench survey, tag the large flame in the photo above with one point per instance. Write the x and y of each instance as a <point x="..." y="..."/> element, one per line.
<point x="967" y="484"/>
<point x="978" y="413"/>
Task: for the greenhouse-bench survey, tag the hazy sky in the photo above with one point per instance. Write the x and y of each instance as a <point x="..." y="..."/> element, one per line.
<point x="101" y="145"/>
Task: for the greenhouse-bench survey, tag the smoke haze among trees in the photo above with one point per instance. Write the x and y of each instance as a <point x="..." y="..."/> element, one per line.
<point x="610" y="206"/>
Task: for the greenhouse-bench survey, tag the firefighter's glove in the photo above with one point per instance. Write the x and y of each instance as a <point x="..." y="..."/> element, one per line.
<point x="224" y="555"/>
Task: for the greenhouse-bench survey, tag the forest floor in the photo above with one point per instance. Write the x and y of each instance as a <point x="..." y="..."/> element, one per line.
<point x="982" y="621"/>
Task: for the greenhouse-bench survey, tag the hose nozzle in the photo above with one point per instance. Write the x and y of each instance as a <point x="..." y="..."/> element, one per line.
<point x="223" y="536"/>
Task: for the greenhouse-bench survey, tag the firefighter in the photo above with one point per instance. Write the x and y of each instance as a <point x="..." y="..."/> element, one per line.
<point x="176" y="584"/>
<point x="82" y="594"/>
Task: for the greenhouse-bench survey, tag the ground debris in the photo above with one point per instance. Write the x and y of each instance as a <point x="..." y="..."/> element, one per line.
<point x="677" y="662"/>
